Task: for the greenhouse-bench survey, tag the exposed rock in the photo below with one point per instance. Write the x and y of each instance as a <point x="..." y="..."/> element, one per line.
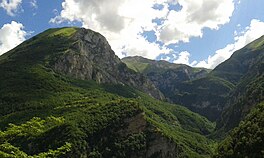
<point x="135" y="124"/>
<point x="162" y="147"/>
<point x="91" y="57"/>
<point x="157" y="145"/>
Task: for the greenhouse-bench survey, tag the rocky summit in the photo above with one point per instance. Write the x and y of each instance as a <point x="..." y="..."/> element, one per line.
<point x="91" y="57"/>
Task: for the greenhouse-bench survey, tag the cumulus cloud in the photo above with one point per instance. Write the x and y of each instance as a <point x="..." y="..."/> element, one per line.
<point x="252" y="32"/>
<point x="11" y="35"/>
<point x="124" y="21"/>
<point x="193" y="18"/>
<point x="11" y="6"/>
<point x="121" y="21"/>
<point x="183" y="58"/>
<point x="178" y="58"/>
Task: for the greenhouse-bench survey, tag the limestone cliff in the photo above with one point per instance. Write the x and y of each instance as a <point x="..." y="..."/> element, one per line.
<point x="91" y="57"/>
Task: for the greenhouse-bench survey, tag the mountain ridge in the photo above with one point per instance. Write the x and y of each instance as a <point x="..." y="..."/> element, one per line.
<point x="187" y="86"/>
<point x="249" y="89"/>
<point x="97" y="119"/>
<point x="212" y="93"/>
<point x="85" y="64"/>
<point x="81" y="100"/>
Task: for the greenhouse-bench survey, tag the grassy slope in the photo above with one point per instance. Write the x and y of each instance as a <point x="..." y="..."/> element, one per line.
<point x="30" y="88"/>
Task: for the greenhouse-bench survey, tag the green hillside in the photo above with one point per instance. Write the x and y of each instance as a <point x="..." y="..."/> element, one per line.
<point x="249" y="90"/>
<point x="225" y="94"/>
<point x="64" y="93"/>
<point x="198" y="89"/>
<point x="46" y="112"/>
<point x="231" y="95"/>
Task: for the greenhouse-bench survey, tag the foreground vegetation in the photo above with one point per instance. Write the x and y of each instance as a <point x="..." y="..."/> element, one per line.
<point x="29" y="134"/>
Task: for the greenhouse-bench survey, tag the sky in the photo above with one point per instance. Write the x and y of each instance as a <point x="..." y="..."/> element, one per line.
<point x="199" y="33"/>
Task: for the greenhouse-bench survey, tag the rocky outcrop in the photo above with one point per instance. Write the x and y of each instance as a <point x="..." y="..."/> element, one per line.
<point x="91" y="57"/>
<point x="162" y="147"/>
<point x="156" y="145"/>
<point x="135" y="124"/>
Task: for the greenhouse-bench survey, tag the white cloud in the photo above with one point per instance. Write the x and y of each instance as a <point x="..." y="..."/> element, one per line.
<point x="123" y="21"/>
<point x="183" y="58"/>
<point x="11" y="6"/>
<point x="178" y="58"/>
<point x="193" y="18"/>
<point x="166" y="58"/>
<point x="11" y="35"/>
<point x="33" y="4"/>
<point x="252" y="32"/>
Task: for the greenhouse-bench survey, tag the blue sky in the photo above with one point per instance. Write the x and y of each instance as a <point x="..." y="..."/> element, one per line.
<point x="200" y="33"/>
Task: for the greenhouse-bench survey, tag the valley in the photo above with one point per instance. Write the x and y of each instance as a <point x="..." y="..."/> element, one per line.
<point x="64" y="93"/>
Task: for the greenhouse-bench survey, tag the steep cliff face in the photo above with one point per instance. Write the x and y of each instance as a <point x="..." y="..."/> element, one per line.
<point x="90" y="57"/>
<point x="154" y="144"/>
<point x="162" y="147"/>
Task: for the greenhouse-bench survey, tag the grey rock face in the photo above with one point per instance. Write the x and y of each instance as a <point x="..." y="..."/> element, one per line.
<point x="91" y="57"/>
<point x="157" y="145"/>
<point x="162" y="147"/>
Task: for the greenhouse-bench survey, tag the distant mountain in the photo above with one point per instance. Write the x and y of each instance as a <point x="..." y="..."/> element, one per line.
<point x="232" y="94"/>
<point x="194" y="88"/>
<point x="237" y="81"/>
<point x="65" y="94"/>
<point x="181" y="72"/>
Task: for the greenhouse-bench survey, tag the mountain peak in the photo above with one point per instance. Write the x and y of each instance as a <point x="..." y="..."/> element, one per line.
<point x="79" y="53"/>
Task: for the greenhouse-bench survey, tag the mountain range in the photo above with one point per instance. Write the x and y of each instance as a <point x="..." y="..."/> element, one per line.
<point x="64" y="93"/>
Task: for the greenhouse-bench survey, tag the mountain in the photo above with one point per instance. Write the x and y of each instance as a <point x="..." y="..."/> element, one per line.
<point x="195" y="88"/>
<point x="231" y="94"/>
<point x="249" y="86"/>
<point x="65" y="94"/>
<point x="76" y="57"/>
<point x="241" y="62"/>
<point x="180" y="72"/>
<point x="235" y="82"/>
